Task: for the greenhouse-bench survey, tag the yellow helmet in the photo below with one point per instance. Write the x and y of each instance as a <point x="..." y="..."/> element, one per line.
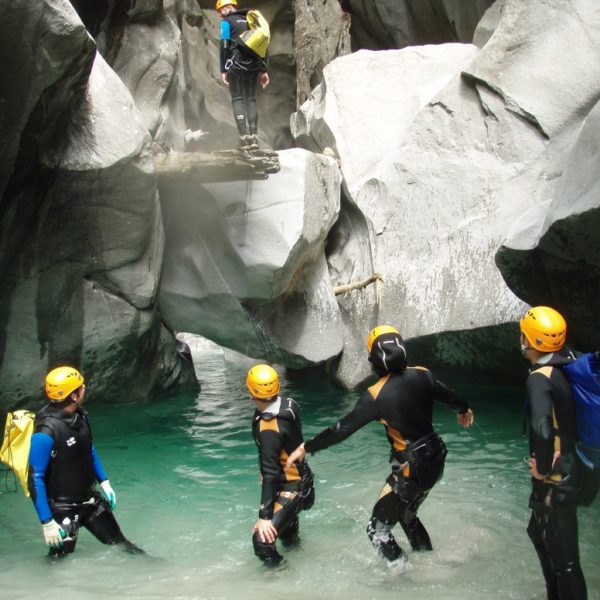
<point x="60" y="382"/>
<point x="263" y="382"/>
<point x="222" y="3"/>
<point x="544" y="328"/>
<point x="379" y="330"/>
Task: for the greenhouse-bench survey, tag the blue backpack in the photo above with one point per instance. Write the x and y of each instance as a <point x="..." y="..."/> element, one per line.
<point x="583" y="375"/>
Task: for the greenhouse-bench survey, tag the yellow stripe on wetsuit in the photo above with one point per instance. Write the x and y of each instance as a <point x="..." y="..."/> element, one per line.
<point x="292" y="474"/>
<point x="398" y="441"/>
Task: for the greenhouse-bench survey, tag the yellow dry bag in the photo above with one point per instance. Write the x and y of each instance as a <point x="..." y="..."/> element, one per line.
<point x="17" y="441"/>
<point x="258" y="36"/>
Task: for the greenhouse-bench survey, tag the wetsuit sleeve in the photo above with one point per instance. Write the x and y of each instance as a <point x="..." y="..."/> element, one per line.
<point x="270" y="451"/>
<point x="40" y="454"/>
<point x="98" y="468"/>
<point x="363" y="412"/>
<point x="539" y="394"/>
<point x="225" y="44"/>
<point x="449" y="397"/>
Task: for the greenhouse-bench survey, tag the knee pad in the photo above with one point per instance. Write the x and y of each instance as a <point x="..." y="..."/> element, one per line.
<point x="266" y="552"/>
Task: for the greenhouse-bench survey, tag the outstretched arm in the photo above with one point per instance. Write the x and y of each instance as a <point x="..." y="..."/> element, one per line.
<point x="363" y="412"/>
<point x="297" y="455"/>
<point x="455" y="401"/>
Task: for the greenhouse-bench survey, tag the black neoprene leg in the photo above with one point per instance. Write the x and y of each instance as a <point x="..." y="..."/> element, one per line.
<point x="285" y="521"/>
<point x="411" y="524"/>
<point x="535" y="532"/>
<point x="250" y="91"/>
<point x="554" y="534"/>
<point x="236" y="88"/>
<point x="291" y="534"/>
<point x="265" y="551"/>
<point x="385" y="515"/>
<point x="101" y="523"/>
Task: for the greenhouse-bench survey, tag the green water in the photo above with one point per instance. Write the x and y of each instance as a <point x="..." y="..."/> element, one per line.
<point x="186" y="478"/>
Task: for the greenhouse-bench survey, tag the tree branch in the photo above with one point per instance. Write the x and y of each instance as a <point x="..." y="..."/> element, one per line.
<point x="342" y="289"/>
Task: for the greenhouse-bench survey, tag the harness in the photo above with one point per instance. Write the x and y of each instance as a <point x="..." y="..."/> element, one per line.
<point x="425" y="449"/>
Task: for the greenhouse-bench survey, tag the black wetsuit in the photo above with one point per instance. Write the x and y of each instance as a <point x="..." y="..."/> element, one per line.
<point x="63" y="470"/>
<point x="403" y="402"/>
<point x="277" y="432"/>
<point x="553" y="524"/>
<point x="242" y="70"/>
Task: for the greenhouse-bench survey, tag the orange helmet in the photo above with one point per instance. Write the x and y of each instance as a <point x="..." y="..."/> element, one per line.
<point x="263" y="382"/>
<point x="60" y="382"/>
<point x="379" y="330"/>
<point x="544" y="328"/>
<point x="222" y="3"/>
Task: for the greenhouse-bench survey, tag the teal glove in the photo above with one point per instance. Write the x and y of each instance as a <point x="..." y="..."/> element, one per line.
<point x="109" y="493"/>
<point x="53" y="534"/>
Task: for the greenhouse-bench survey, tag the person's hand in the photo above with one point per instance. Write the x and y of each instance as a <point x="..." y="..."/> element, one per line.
<point x="225" y="79"/>
<point x="533" y="470"/>
<point x="53" y="534"/>
<point x="109" y="493"/>
<point x="266" y="531"/>
<point x="263" y="79"/>
<point x="466" y="419"/>
<point x="296" y="456"/>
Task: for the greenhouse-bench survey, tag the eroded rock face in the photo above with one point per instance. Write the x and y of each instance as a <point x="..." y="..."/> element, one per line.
<point x="81" y="237"/>
<point x="245" y="265"/>
<point x="167" y="53"/>
<point x="321" y="32"/>
<point x="552" y="253"/>
<point x="388" y="24"/>
<point x="468" y="147"/>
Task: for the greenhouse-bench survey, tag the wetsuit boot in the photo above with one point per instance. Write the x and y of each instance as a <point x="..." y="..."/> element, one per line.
<point x="383" y="541"/>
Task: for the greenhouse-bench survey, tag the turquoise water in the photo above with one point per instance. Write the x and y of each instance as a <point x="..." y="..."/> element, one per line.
<point x="186" y="477"/>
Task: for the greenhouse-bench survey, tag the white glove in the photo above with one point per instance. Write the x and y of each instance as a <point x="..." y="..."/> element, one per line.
<point x="53" y="534"/>
<point x="109" y="493"/>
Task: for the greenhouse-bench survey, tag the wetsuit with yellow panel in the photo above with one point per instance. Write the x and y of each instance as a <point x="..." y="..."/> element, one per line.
<point x="277" y="432"/>
<point x="552" y="435"/>
<point x="402" y="400"/>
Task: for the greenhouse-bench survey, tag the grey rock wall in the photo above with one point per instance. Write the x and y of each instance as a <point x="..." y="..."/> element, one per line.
<point x="245" y="264"/>
<point x="551" y="255"/>
<point x="389" y="24"/>
<point x="81" y="234"/>
<point x="441" y="149"/>
<point x="418" y="165"/>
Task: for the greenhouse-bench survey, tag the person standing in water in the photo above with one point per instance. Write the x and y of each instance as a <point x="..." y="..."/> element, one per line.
<point x="553" y="467"/>
<point x="241" y="72"/>
<point x="402" y="400"/>
<point x="277" y="430"/>
<point x="64" y="468"/>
